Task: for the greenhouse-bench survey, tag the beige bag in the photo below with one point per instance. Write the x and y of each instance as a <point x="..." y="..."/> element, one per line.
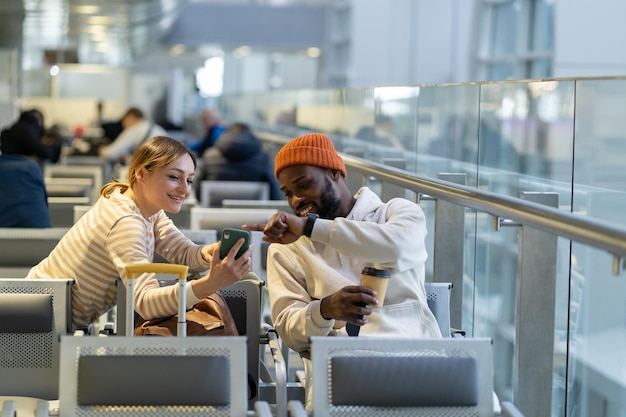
<point x="209" y="317"/>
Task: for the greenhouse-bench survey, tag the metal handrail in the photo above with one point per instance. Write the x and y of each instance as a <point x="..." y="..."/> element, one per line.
<point x="600" y="234"/>
<point x="593" y="232"/>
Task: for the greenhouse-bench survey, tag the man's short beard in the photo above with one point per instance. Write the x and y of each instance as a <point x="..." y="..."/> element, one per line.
<point x="329" y="202"/>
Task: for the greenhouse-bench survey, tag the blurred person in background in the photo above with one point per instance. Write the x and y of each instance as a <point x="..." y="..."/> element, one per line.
<point x="27" y="137"/>
<point x="110" y="128"/>
<point x="382" y="133"/>
<point x="475" y="142"/>
<point x="211" y="121"/>
<point x="137" y="129"/>
<point x="25" y="201"/>
<point x="238" y="155"/>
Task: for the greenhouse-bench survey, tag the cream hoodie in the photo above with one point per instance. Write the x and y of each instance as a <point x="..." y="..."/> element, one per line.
<point x="385" y="235"/>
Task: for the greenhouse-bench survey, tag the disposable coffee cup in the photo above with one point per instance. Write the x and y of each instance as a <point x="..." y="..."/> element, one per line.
<point x="376" y="279"/>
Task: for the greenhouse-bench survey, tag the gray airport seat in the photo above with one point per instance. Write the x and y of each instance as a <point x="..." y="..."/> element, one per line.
<point x="63" y="195"/>
<point x="93" y="172"/>
<point x="22" y="248"/>
<point x="218" y="218"/>
<point x="257" y="204"/>
<point x="438" y="297"/>
<point x="34" y="314"/>
<point x="378" y="377"/>
<point x="245" y="300"/>
<point x="213" y="192"/>
<point x="69" y="187"/>
<point x="61" y="209"/>
<point x="177" y="376"/>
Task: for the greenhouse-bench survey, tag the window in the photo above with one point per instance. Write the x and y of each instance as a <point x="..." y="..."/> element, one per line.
<point x="516" y="39"/>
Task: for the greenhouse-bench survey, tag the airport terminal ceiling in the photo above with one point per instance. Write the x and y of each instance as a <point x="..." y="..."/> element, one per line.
<point x="113" y="32"/>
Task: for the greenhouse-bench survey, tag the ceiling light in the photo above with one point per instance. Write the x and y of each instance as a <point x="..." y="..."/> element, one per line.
<point x="242" y="51"/>
<point x="97" y="29"/>
<point x="178" y="49"/>
<point x="86" y="9"/>
<point x="208" y="50"/>
<point x="102" y="47"/>
<point x="100" y="20"/>
<point x="99" y="36"/>
<point x="314" y="52"/>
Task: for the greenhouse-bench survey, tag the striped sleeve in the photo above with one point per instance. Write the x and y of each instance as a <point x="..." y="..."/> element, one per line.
<point x="131" y="241"/>
<point x="177" y="248"/>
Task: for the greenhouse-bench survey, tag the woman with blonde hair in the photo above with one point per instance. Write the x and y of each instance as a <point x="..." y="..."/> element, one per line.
<point x="128" y="225"/>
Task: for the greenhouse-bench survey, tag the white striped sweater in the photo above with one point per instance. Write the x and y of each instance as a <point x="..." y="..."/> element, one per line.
<point x="95" y="251"/>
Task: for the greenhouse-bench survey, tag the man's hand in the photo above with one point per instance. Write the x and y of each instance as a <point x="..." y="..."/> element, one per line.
<point x="282" y="227"/>
<point x="349" y="304"/>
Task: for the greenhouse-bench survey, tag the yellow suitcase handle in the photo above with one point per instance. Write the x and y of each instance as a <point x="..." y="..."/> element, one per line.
<point x="157" y="268"/>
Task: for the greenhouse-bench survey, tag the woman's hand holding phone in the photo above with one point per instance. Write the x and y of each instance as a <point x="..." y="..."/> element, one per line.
<point x="228" y="265"/>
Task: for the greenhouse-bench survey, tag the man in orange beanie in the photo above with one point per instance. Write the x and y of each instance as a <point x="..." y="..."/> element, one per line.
<point x="314" y="264"/>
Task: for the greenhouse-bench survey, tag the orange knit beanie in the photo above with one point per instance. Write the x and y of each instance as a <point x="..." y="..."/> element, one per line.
<point x="311" y="149"/>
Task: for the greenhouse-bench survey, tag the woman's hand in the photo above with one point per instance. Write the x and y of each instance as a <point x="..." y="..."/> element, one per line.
<point x="209" y="250"/>
<point x="223" y="272"/>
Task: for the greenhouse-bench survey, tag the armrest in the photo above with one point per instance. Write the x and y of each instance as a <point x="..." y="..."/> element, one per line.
<point x="300" y="377"/>
<point x="262" y="409"/>
<point x="280" y="370"/>
<point x="42" y="409"/>
<point x="510" y="410"/>
<point x="296" y="409"/>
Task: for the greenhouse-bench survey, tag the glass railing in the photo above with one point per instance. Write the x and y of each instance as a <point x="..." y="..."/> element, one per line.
<point x="562" y="138"/>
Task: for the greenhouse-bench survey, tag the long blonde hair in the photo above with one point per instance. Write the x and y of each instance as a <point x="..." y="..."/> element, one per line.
<point x="156" y="152"/>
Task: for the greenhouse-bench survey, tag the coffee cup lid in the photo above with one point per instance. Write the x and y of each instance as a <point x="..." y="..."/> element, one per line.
<point x="381" y="273"/>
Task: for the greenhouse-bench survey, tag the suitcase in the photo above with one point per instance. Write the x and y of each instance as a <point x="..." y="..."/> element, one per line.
<point x="159" y="268"/>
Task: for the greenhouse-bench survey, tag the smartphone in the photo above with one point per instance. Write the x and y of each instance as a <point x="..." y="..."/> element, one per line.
<point x="229" y="237"/>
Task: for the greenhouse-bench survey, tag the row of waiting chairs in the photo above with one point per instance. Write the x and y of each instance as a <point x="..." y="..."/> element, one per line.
<point x="212" y="193"/>
<point x="43" y="302"/>
<point x="352" y="376"/>
<point x="80" y="185"/>
<point x="98" y="172"/>
<point x="34" y="327"/>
